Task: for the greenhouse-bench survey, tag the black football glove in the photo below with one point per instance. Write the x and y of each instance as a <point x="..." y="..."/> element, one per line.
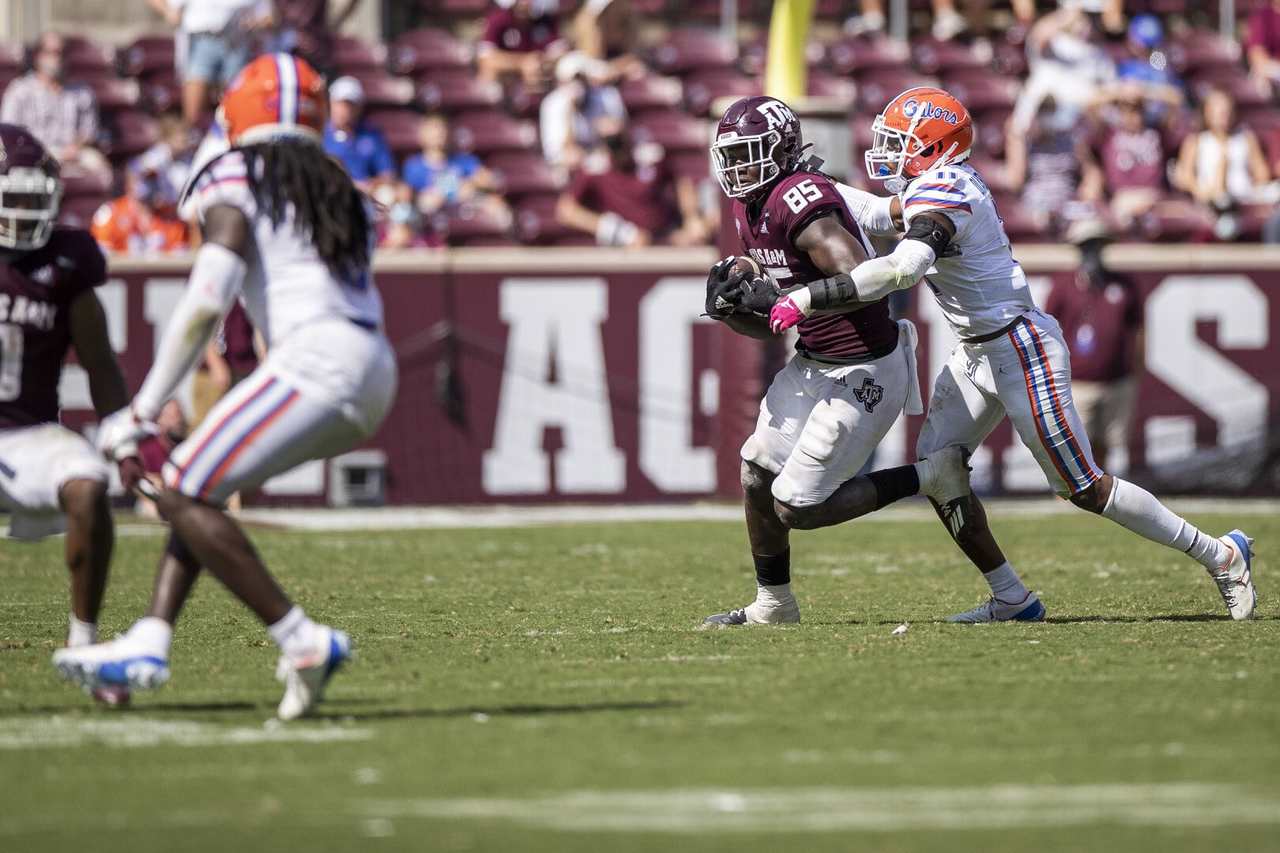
<point x="757" y="293"/>
<point x="723" y="288"/>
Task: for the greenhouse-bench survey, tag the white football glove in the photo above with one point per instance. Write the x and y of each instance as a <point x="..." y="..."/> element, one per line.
<point x="120" y="432"/>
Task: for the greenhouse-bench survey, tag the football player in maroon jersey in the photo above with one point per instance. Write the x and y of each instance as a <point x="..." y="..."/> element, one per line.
<point x="854" y="368"/>
<point x="49" y="475"/>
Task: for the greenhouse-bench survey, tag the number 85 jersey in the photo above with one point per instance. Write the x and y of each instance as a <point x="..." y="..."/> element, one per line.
<point x="768" y="227"/>
<point x="288" y="284"/>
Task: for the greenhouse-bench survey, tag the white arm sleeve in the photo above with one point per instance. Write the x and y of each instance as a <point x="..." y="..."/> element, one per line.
<point x="903" y="268"/>
<point x="216" y="278"/>
<point x="871" y="212"/>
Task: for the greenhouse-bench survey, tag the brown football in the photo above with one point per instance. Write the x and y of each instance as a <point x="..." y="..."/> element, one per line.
<point x="747" y="265"/>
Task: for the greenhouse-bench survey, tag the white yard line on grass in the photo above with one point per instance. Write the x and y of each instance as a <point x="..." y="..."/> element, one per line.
<point x="703" y="810"/>
<point x="60" y="732"/>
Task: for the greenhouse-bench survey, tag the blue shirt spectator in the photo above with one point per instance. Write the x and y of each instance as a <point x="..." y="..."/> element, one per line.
<point x="446" y="177"/>
<point x="361" y="148"/>
<point x="442" y="177"/>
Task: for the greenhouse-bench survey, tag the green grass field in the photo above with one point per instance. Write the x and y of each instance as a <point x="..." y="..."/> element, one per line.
<point x="548" y="689"/>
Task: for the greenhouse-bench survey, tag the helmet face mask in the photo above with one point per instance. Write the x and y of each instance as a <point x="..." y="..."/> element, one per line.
<point x="29" y="201"/>
<point x="745" y="164"/>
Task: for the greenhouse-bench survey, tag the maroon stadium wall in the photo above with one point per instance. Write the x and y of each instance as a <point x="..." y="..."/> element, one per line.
<point x="588" y="375"/>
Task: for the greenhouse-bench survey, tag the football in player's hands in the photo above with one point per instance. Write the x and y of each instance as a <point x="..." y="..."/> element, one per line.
<point x="738" y="285"/>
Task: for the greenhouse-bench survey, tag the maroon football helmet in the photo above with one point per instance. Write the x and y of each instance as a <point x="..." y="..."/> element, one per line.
<point x="757" y="141"/>
<point x="30" y="190"/>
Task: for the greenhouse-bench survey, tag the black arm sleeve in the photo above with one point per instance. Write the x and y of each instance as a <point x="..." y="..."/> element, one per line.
<point x="832" y="292"/>
<point x="931" y="233"/>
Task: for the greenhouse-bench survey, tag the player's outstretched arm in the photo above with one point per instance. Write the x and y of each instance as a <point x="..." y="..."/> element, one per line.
<point x="216" y="278"/>
<point x="93" y="349"/>
<point x="927" y="237"/>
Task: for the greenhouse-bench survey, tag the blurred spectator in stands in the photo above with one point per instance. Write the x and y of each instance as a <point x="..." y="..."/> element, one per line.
<point x="306" y="28"/>
<point x="1262" y="43"/>
<point x="142" y="221"/>
<point x="621" y="195"/>
<point x="64" y="116"/>
<point x="1148" y="70"/>
<point x="1067" y="61"/>
<point x="404" y="226"/>
<point x="581" y="111"/>
<point x="1133" y="160"/>
<point x="947" y="22"/>
<point x="442" y="177"/>
<point x="1101" y="317"/>
<point x="607" y="30"/>
<point x="1052" y="167"/>
<point x="1223" y="166"/>
<point x="171" y="157"/>
<point x="360" y="147"/>
<point x="215" y="39"/>
<point x="521" y="39"/>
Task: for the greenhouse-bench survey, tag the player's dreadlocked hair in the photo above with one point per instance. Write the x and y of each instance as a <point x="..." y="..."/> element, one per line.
<point x="327" y="205"/>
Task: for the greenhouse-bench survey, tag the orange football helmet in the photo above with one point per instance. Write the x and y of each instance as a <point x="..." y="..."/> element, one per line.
<point x="275" y="95"/>
<point x="921" y="129"/>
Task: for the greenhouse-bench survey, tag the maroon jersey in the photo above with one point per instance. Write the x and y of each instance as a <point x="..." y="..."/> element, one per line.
<point x="768" y="232"/>
<point x="36" y="292"/>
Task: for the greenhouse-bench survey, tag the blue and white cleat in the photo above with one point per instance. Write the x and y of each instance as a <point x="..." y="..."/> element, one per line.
<point x="305" y="679"/>
<point x="758" y="613"/>
<point x="1028" y="609"/>
<point x="105" y="668"/>
<point x="1235" y="580"/>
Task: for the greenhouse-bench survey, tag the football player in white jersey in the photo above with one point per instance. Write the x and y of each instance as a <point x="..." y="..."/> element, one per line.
<point x="287" y="232"/>
<point x="1011" y="358"/>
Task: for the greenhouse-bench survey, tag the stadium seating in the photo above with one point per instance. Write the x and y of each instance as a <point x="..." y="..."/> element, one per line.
<point x="383" y="90"/>
<point x="490" y="131"/>
<point x="400" y="127"/>
<point x="454" y="91"/>
<point x="525" y="173"/>
<point x="853" y="55"/>
<point x="672" y="130"/>
<point x="702" y="89"/>
<point x="422" y="50"/>
<point x="113" y="93"/>
<point x="693" y="48"/>
<point x="536" y="224"/>
<point x="476" y="225"/>
<point x="651" y="92"/>
<point x="84" y="58"/>
<point x="128" y="133"/>
<point x="352" y="55"/>
<point x="1201" y="49"/>
<point x="146" y="55"/>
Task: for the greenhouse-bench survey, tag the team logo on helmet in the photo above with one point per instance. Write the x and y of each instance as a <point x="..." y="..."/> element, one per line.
<point x="921" y="129"/>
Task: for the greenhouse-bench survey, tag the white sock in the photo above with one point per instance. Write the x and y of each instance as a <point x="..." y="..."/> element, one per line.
<point x="295" y="633"/>
<point x="153" y="634"/>
<point x="772" y="596"/>
<point x="1005" y="584"/>
<point x="1136" y="509"/>
<point x="81" y="633"/>
<point x="925" y="472"/>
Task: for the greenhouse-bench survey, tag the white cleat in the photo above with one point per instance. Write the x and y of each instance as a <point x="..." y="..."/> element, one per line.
<point x="1235" y="581"/>
<point x="305" y="680"/>
<point x="950" y="475"/>
<point x="104" y="668"/>
<point x="759" y="613"/>
<point x="1028" y="609"/>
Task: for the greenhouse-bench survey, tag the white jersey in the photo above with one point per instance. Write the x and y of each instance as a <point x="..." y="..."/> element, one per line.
<point x="978" y="284"/>
<point x="288" y="285"/>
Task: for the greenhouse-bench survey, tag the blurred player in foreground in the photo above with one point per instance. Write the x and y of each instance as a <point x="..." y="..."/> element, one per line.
<point x="854" y="369"/>
<point x="51" y="477"/>
<point x="286" y="229"/>
<point x="1011" y="359"/>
